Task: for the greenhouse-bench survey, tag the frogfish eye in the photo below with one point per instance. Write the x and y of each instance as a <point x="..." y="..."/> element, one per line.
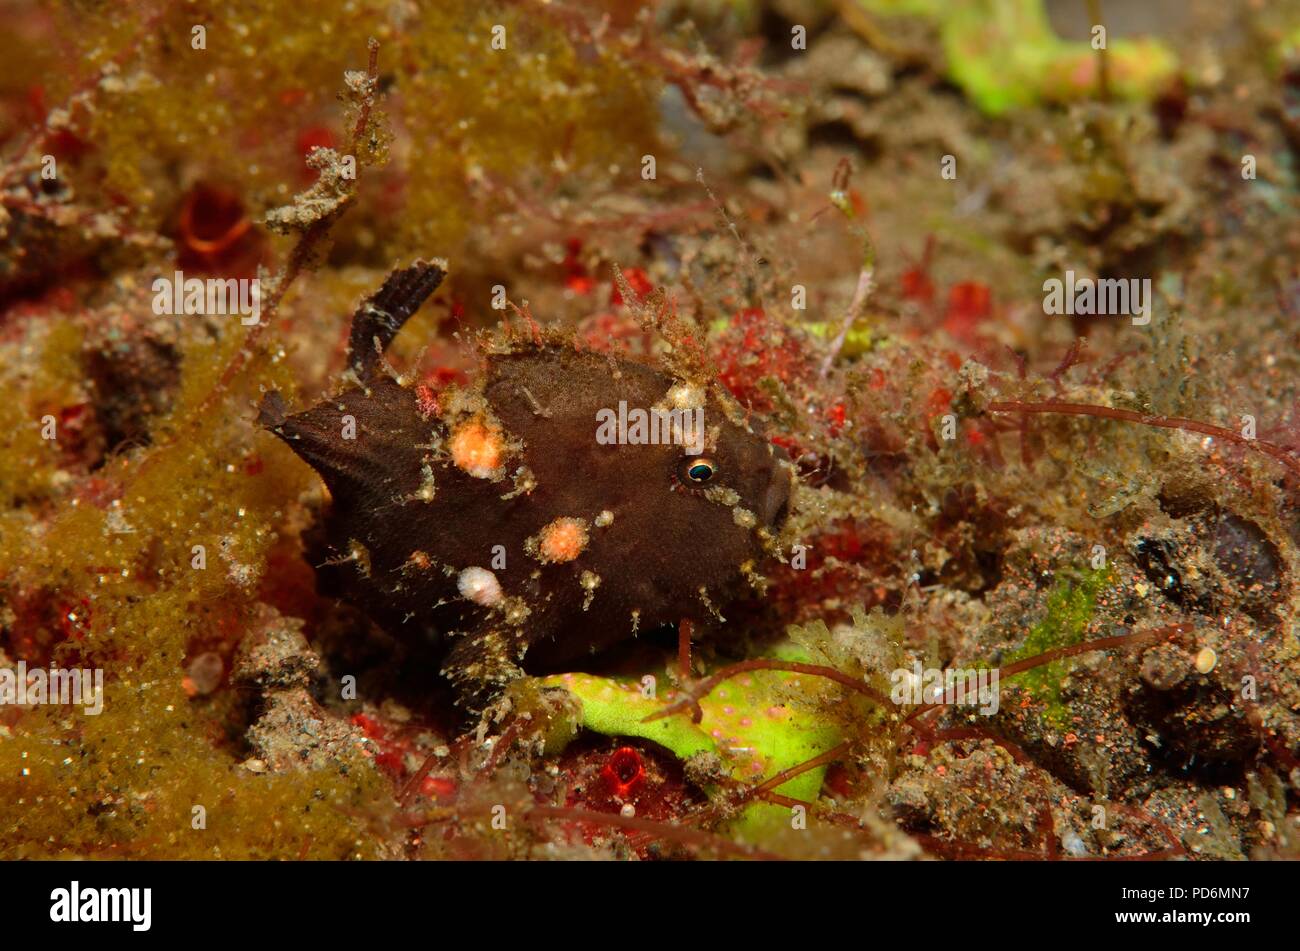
<point x="698" y="470"/>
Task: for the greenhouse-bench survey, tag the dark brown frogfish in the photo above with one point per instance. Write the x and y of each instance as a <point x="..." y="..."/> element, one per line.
<point x="561" y="503"/>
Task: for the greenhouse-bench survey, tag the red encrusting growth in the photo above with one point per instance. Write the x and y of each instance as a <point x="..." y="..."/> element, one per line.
<point x="215" y="233"/>
<point x="624" y="772"/>
<point x="754" y="347"/>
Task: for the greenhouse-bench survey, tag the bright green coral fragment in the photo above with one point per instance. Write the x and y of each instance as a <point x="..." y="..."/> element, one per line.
<point x="618" y="708"/>
<point x="752" y="722"/>
<point x="1005" y="56"/>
